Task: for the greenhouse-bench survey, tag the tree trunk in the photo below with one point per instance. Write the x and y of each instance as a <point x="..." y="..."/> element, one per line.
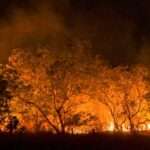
<point x="61" y="123"/>
<point x="132" y="126"/>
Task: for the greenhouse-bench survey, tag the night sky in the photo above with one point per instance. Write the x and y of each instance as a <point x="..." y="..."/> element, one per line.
<point x="118" y="30"/>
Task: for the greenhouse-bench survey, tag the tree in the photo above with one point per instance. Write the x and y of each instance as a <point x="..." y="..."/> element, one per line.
<point x="12" y="124"/>
<point x="65" y="88"/>
<point x="134" y="104"/>
<point x="5" y="96"/>
<point x="122" y="91"/>
<point x="108" y="93"/>
<point x="49" y="89"/>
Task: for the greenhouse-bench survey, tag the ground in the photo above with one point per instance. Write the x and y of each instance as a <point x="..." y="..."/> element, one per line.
<point x="102" y="141"/>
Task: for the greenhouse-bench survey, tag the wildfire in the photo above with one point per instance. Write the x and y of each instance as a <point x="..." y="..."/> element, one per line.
<point x="110" y="127"/>
<point x="75" y="96"/>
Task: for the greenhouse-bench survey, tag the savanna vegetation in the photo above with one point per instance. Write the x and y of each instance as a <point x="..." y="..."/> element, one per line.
<point x="76" y="92"/>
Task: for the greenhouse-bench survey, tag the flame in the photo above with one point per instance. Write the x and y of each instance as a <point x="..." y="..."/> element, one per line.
<point x="148" y="126"/>
<point x="111" y="127"/>
<point x="110" y="94"/>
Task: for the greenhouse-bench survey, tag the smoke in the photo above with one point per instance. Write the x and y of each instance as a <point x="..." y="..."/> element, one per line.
<point x="58" y="25"/>
<point x="144" y="56"/>
<point x="111" y="33"/>
<point x="29" y="29"/>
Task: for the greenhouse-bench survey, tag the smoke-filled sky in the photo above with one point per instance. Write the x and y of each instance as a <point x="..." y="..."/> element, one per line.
<point x="118" y="30"/>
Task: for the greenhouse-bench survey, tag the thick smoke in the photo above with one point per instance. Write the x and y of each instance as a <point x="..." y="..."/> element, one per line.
<point x="59" y="24"/>
<point x="30" y="29"/>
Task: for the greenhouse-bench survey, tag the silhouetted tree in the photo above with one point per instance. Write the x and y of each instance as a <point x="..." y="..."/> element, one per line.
<point x="5" y="96"/>
<point x="12" y="124"/>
